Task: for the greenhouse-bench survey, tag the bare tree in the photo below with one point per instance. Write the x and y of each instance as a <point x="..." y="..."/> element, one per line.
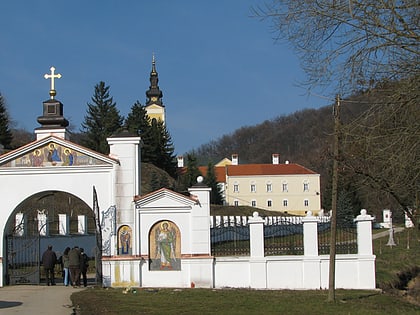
<point x="382" y="146"/>
<point x="350" y="43"/>
<point x="353" y="45"/>
<point x="373" y="46"/>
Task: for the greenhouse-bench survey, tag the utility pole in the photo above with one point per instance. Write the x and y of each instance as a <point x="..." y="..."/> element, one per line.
<point x="336" y="113"/>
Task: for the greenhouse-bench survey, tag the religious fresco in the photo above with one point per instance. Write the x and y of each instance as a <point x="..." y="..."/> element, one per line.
<point x="124" y="240"/>
<point x="165" y="246"/>
<point x="53" y="154"/>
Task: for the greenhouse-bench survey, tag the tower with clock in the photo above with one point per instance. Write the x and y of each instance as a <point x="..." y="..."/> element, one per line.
<point x="154" y="105"/>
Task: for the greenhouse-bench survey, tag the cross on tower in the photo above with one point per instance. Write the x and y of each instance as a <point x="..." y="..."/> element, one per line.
<point x="52" y="76"/>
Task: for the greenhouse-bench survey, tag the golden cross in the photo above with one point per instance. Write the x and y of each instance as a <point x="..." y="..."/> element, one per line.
<point x="52" y="76"/>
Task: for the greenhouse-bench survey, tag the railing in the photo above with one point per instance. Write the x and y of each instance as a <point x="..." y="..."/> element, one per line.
<point x="282" y="236"/>
<point x="229" y="236"/>
<point x="346" y="238"/>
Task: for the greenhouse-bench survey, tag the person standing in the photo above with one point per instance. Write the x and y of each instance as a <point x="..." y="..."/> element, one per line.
<point x="84" y="266"/>
<point x="49" y="259"/>
<point x="65" y="262"/>
<point x="74" y="266"/>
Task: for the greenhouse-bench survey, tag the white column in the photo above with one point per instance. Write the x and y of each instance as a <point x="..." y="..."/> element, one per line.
<point x="63" y="224"/>
<point x="310" y="235"/>
<point x="81" y="224"/>
<point x="364" y="233"/>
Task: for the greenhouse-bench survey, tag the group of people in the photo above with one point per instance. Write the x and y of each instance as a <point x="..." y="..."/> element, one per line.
<point x="74" y="265"/>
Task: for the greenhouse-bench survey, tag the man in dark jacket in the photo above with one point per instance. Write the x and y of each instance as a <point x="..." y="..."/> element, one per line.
<point x="74" y="265"/>
<point x="49" y="259"/>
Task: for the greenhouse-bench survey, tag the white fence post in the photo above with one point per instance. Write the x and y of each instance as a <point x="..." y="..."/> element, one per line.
<point x="366" y="260"/>
<point x="364" y="233"/>
<point x="310" y="235"/>
<point x="257" y="262"/>
<point x="256" y="235"/>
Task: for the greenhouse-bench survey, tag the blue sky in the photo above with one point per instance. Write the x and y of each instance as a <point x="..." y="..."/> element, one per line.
<point x="219" y="69"/>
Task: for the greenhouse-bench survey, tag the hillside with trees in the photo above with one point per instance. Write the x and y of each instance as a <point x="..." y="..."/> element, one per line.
<point x="366" y="179"/>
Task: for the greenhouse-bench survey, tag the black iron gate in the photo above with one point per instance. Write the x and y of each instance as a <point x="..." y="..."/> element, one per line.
<point x="23" y="258"/>
<point x="26" y="239"/>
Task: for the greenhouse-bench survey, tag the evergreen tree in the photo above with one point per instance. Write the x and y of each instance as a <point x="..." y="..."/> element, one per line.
<point x="159" y="149"/>
<point x="211" y="181"/>
<point x="137" y="120"/>
<point x="102" y="119"/>
<point x="345" y="211"/>
<point x="6" y="136"/>
<point x="189" y="177"/>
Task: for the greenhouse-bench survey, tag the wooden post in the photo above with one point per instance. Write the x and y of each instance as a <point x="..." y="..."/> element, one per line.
<point x="331" y="287"/>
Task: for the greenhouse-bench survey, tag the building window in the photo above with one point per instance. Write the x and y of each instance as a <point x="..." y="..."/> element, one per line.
<point x="235" y="188"/>
<point x="306" y="203"/>
<point x="305" y="186"/>
<point x="253" y="203"/>
<point x="253" y="188"/>
<point x="269" y="203"/>
<point x="284" y="202"/>
<point x="236" y="203"/>
<point x="269" y="187"/>
<point x="285" y="189"/>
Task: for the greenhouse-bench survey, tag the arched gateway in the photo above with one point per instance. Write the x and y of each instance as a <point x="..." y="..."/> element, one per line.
<point x="55" y="191"/>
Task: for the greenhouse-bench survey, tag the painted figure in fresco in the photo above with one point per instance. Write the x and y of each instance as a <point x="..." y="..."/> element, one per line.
<point x="37" y="158"/>
<point x="125" y="238"/>
<point x="165" y="245"/>
<point x="53" y="155"/>
<point x="68" y="157"/>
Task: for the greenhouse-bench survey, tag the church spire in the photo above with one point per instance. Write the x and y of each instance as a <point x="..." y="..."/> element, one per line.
<point x="154" y="94"/>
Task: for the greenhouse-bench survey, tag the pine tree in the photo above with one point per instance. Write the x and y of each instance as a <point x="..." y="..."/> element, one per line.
<point x="102" y="119"/>
<point x="211" y="181"/>
<point x="159" y="149"/>
<point x="345" y="211"/>
<point x="189" y="177"/>
<point x="6" y="136"/>
<point x="137" y="121"/>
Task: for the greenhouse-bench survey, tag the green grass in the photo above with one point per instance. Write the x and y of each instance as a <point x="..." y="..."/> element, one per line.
<point x="236" y="301"/>
<point x="390" y="264"/>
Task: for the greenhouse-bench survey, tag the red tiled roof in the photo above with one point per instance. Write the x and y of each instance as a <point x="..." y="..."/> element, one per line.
<point x="256" y="170"/>
<point x="267" y="169"/>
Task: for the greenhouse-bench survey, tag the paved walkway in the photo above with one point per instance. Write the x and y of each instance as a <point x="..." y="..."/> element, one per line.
<point x="36" y="299"/>
<point x="386" y="232"/>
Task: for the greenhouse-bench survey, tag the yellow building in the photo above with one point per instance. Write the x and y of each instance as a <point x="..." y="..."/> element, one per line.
<point x="288" y="187"/>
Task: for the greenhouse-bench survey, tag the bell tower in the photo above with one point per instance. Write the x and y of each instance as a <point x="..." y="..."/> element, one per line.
<point x="154" y="105"/>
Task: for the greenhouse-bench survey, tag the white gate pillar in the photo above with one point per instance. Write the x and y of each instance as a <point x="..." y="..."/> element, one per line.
<point x="310" y="235"/>
<point x="364" y="233"/>
<point x="366" y="259"/>
<point x="258" y="267"/>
